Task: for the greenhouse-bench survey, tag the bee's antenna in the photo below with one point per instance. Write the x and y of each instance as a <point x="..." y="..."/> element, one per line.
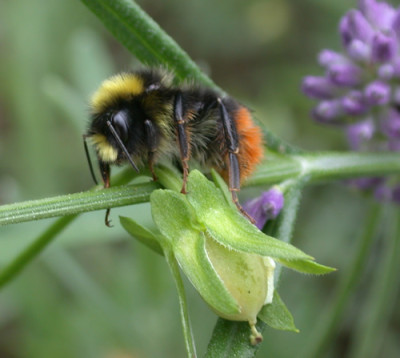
<point x="121" y="145"/>
<point x="88" y="158"/>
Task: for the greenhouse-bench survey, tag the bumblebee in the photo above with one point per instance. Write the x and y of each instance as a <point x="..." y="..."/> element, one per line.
<point x="142" y="118"/>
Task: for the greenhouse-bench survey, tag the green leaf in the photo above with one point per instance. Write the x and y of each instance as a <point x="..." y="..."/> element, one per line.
<point x="141" y="35"/>
<point x="306" y="266"/>
<point x="173" y="214"/>
<point x="277" y="315"/>
<point x="146" y="236"/>
<point x="229" y="227"/>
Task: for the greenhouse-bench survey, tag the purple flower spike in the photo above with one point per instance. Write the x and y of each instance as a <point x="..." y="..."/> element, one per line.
<point x="360" y="132"/>
<point x="391" y="124"/>
<point x="354" y="104"/>
<point x="265" y="207"/>
<point x="345" y="75"/>
<point x="384" y="48"/>
<point x="377" y="93"/>
<point x="327" y="111"/>
<point x="318" y="87"/>
<point x="365" y="77"/>
<point x="359" y="51"/>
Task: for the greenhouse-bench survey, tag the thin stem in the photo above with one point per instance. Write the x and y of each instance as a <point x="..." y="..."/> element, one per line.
<point x="186" y="326"/>
<point x="327" y="327"/>
<point x="318" y="167"/>
<point x="382" y="299"/>
<point x="76" y="203"/>
<point x="325" y="166"/>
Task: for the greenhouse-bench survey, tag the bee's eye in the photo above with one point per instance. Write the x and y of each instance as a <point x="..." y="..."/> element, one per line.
<point x="120" y="124"/>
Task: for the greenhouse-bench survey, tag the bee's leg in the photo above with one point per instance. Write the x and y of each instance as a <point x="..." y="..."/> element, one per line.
<point x="105" y="175"/>
<point x="232" y="143"/>
<point x="182" y="138"/>
<point x="151" y="141"/>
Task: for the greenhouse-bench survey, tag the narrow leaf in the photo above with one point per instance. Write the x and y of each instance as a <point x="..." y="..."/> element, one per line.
<point x="306" y="266"/>
<point x="277" y="315"/>
<point x="145" y="235"/>
<point x="141" y="35"/>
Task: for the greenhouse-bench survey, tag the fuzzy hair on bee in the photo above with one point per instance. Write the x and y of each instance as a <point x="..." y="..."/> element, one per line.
<point x="143" y="118"/>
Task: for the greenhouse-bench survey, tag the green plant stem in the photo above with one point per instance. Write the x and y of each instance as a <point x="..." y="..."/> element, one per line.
<point x="76" y="203"/>
<point x="231" y="339"/>
<point x="382" y="299"/>
<point x="317" y="167"/>
<point x="325" y="166"/>
<point x="327" y="327"/>
<point x="32" y="250"/>
<point x="186" y="326"/>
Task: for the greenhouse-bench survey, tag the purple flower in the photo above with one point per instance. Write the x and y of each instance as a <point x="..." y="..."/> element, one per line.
<point x="265" y="207"/>
<point x="359" y="50"/>
<point x="360" y="86"/>
<point x="379" y="14"/>
<point x="384" y="47"/>
<point x="345" y="74"/>
<point x="327" y="111"/>
<point x="318" y="87"/>
<point x="354" y="103"/>
<point x="355" y="26"/>
<point x="377" y="93"/>
<point x="328" y="58"/>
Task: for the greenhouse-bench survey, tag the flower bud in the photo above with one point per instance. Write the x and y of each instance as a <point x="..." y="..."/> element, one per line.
<point x="377" y="93"/>
<point x="345" y="75"/>
<point x="379" y="14"/>
<point x="355" y="26"/>
<point x="327" y="111"/>
<point x="249" y="278"/>
<point x="318" y="87"/>
<point x="384" y="48"/>
<point x="327" y="58"/>
<point x="354" y="104"/>
<point x="359" y="50"/>
<point x="265" y="207"/>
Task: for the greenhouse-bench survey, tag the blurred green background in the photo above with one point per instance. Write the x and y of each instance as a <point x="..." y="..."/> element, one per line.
<point x="97" y="293"/>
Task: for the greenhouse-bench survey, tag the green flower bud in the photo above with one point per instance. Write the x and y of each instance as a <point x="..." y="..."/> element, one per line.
<point x="249" y="278"/>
